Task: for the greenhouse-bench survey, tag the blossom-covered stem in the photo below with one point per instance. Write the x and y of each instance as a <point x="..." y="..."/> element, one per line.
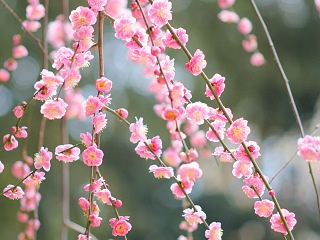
<point x="178" y="182"/>
<point x="160" y="163"/>
<point x="223" y="109"/>
<point x="38" y="42"/>
<point x="162" y="73"/>
<point x="279" y="65"/>
<point x="173" y="33"/>
<point x="29" y="174"/>
<point x="288" y="89"/>
<point x="220" y="140"/>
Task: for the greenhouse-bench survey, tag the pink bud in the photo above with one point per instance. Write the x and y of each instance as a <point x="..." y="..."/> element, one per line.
<point x="122" y="112"/>
<point x="117" y="203"/>
<point x="272" y="193"/>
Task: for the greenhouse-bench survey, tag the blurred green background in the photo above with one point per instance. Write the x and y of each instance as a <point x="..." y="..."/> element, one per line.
<point x="255" y="93"/>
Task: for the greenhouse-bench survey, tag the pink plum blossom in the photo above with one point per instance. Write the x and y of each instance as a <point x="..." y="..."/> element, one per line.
<point x="71" y="78"/>
<point x="20" y="169"/>
<point x="49" y="79"/>
<point x="91" y="105"/>
<point x="214" y="232"/>
<point x="82" y="16"/>
<point x="161" y="172"/>
<point x="124" y="27"/>
<point x="4" y="75"/>
<point x="138" y="131"/>
<point x="238" y="131"/>
<point x="219" y="128"/>
<point x="19" y="51"/>
<point x="241" y="168"/>
<point x="9" y="142"/>
<point x="194" y="217"/>
<point x="84" y="203"/>
<point x="309" y="148"/>
<point x="257" y="59"/>
<point x="13" y="192"/>
<point x="19" y="110"/>
<point x="196" y="63"/>
<point x="116" y="8"/>
<point x="103" y="84"/>
<point x="189" y="171"/>
<point x="99" y="122"/>
<point x="253" y="148"/>
<point x="10" y="64"/>
<point x="92" y="156"/>
<point x="197" y="112"/>
<point x="170" y="114"/>
<point x="198" y="139"/>
<point x="83" y="237"/>
<point x="250" y="44"/>
<point x="95" y="220"/>
<point x="84" y="36"/>
<point x="186" y="185"/>
<point x="95" y="185"/>
<point x="59" y="31"/>
<point x="143" y="56"/>
<point x="54" y="109"/>
<point x="104" y="196"/>
<point x="160" y="12"/>
<point x="264" y="208"/>
<point x="35" y="179"/>
<point x="87" y="139"/>
<point x="35" y="11"/>
<point x="44" y="91"/>
<point x="67" y="153"/>
<point x="97" y="5"/>
<point x="228" y="16"/>
<point x="155" y="144"/>
<point x="170" y="42"/>
<point x="217" y="83"/>
<point x="225" y="3"/>
<point x="244" y="26"/>
<point x="277" y="223"/>
<point x="224" y="155"/>
<point x="19" y="132"/>
<point x="74" y="99"/>
<point x="171" y="157"/>
<point x="254" y="186"/>
<point x="121" y="226"/>
<point x="43" y="159"/>
<point x="31" y="26"/>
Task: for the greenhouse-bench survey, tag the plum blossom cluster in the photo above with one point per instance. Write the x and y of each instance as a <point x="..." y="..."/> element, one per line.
<point x="244" y="26"/>
<point x="120" y="225"/>
<point x="28" y="195"/>
<point x="309" y="148"/>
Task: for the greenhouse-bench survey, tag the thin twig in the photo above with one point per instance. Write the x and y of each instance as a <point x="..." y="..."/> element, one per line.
<point x="26" y="30"/>
<point x="288" y="89"/>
